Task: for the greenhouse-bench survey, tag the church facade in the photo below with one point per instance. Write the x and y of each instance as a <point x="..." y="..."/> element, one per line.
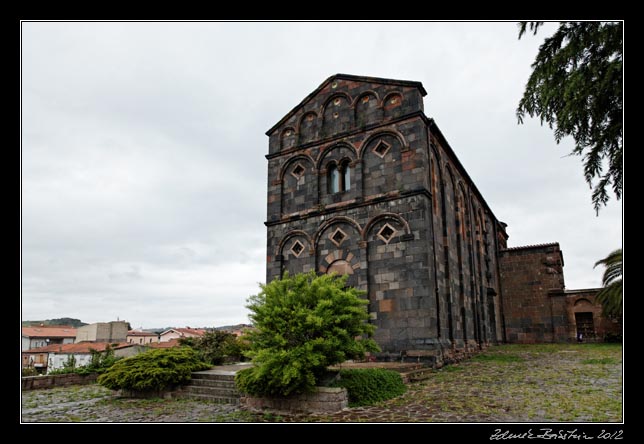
<point x="362" y="182"/>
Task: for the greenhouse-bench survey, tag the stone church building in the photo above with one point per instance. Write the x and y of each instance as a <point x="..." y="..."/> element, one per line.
<point x="362" y="182"/>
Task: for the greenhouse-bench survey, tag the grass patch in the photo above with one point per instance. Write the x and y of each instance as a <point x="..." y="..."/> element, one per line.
<point x="610" y="361"/>
<point x="497" y="358"/>
<point x="271" y="417"/>
<point x="449" y="369"/>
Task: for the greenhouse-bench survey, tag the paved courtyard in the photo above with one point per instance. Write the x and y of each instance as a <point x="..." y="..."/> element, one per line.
<point x="509" y="383"/>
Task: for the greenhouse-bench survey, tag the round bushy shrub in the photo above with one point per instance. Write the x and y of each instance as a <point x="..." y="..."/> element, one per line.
<point x="370" y="385"/>
<point x="153" y="370"/>
<point x="303" y="324"/>
<point x="215" y="346"/>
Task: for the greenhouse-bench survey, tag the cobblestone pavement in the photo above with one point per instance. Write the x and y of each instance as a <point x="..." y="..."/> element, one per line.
<point x="511" y="383"/>
<point x="92" y="403"/>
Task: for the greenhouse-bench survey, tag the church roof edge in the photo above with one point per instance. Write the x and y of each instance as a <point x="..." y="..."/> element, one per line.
<point x="366" y="79"/>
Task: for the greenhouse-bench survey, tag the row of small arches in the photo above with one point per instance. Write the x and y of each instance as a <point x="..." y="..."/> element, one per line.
<point x="341" y="113"/>
<point x="356" y="154"/>
<point x="363" y="232"/>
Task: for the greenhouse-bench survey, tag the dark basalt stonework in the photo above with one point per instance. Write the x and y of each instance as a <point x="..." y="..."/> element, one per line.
<point x="412" y="229"/>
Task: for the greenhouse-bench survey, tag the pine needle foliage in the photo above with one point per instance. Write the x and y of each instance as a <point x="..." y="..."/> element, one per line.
<point x="576" y="88"/>
<point x="153" y="370"/>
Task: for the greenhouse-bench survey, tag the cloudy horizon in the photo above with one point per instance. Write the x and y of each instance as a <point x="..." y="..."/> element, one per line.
<point x="143" y="171"/>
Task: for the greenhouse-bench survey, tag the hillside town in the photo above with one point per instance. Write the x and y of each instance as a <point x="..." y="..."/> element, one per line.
<point x="46" y="348"/>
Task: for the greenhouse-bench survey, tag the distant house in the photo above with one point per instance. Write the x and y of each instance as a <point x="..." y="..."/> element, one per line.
<point x="141" y="337"/>
<point x="53" y="357"/>
<point x="237" y="330"/>
<point x="34" y="337"/>
<point x="167" y="344"/>
<point x="113" y="331"/>
<point x="178" y="333"/>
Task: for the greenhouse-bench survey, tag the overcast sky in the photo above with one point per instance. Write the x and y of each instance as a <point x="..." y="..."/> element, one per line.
<point x="143" y="169"/>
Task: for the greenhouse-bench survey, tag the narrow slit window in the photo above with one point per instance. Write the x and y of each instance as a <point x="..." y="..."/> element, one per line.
<point x="346" y="176"/>
<point x="334" y="179"/>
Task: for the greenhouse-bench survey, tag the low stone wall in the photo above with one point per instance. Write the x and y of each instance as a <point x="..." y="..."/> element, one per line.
<point x="51" y="381"/>
<point x="323" y="400"/>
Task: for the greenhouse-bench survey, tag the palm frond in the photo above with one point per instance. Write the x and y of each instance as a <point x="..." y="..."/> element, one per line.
<point x="611" y="296"/>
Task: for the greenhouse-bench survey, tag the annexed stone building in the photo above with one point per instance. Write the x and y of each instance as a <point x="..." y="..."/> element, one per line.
<point x="537" y="306"/>
<point x="361" y="182"/>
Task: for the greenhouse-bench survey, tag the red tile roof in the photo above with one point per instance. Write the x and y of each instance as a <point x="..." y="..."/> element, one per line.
<point x="80" y="347"/>
<point x="188" y="331"/>
<point x="49" y="332"/>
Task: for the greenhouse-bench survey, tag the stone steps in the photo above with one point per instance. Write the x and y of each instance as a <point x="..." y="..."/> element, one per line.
<point x="205" y="376"/>
<point x="212" y="385"/>
<point x="225" y="392"/>
<point x="220" y="383"/>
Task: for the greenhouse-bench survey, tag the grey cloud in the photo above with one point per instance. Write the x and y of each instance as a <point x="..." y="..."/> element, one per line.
<point x="143" y="169"/>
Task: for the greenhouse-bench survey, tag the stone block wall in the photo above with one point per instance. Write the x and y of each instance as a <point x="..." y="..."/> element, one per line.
<point x="51" y="381"/>
<point x="404" y="221"/>
<point x="323" y="400"/>
<point x="583" y="301"/>
<point x="533" y="294"/>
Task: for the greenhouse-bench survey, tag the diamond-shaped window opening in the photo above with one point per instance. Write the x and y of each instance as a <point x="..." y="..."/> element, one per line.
<point x="297" y="248"/>
<point x="382" y="148"/>
<point x="298" y="171"/>
<point x="338" y="236"/>
<point x="387" y="233"/>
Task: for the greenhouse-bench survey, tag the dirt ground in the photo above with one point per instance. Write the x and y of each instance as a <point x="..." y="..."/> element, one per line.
<point x="508" y="383"/>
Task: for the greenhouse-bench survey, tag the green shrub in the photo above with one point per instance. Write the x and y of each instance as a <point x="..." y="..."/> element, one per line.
<point x="29" y="371"/>
<point x="613" y="337"/>
<point x="367" y="386"/>
<point x="215" y="346"/>
<point x="153" y="370"/>
<point x="69" y="366"/>
<point x="303" y="324"/>
<point x="99" y="362"/>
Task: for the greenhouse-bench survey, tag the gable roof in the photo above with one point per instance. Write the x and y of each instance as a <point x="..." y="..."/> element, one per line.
<point x="187" y="331"/>
<point x="78" y="348"/>
<point x="350" y="77"/>
<point x="141" y="333"/>
<point x="49" y="332"/>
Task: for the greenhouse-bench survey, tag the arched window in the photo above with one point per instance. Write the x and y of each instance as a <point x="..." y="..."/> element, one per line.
<point x="333" y="179"/>
<point x="339" y="177"/>
<point x="346" y="175"/>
